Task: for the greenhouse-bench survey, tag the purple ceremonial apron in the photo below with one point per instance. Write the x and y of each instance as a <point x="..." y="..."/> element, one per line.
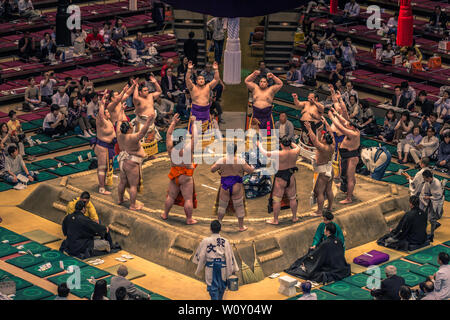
<point x="264" y="117"/>
<point x="201" y="113"/>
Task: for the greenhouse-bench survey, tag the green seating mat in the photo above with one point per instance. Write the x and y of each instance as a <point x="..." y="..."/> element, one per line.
<point x="20" y="283"/>
<point x="54" y="269"/>
<point x="50" y="298"/>
<point x="7" y="250"/>
<point x="71" y="261"/>
<point x="37" y="122"/>
<point x="25" y="261"/>
<point x="162" y="146"/>
<point x="32" y="167"/>
<point x="5" y="186"/>
<point x="348" y="291"/>
<point x="84" y="153"/>
<point x="34" y="247"/>
<point x="74" y="141"/>
<point x="411" y="279"/>
<point x="44" y="176"/>
<point x="401" y="265"/>
<point x="82" y="166"/>
<point x="412" y="172"/>
<point x="85" y="291"/>
<point x="155" y="296"/>
<point x="46" y="163"/>
<point x="132" y="273"/>
<point x="280" y="108"/>
<point x="428" y="255"/>
<point x="41" y="236"/>
<point x="447" y="243"/>
<point x="12" y="237"/>
<point x="358" y="280"/>
<point x="90" y="271"/>
<point x="67" y="158"/>
<point x="397" y="179"/>
<point x="321" y="295"/>
<point x="286" y="96"/>
<point x="395" y="167"/>
<point x="41" y="137"/>
<point x="64" y="170"/>
<point x="392" y="149"/>
<point x="425" y="270"/>
<point x="36" y="150"/>
<point x="379" y="121"/>
<point x="382" y="274"/>
<point x="32" y="293"/>
<point x="369" y="143"/>
<point x="28" y="126"/>
<point x="54" y="146"/>
<point x="53" y="255"/>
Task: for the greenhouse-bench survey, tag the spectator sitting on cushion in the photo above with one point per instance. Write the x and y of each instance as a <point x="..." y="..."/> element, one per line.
<point x="120" y="281"/>
<point x="106" y="33"/>
<point x="139" y="45"/>
<point x="430" y="122"/>
<point x="347" y="92"/>
<point x="438" y="20"/>
<point x="444" y="151"/>
<point x="405" y="293"/>
<point x="403" y="127"/>
<point x="338" y="74"/>
<point x="55" y="122"/>
<point x="183" y="104"/>
<point x="61" y="99"/>
<point x="285" y="127"/>
<point x="26" y="10"/>
<point x="308" y="71"/>
<point x="442" y="107"/>
<point x="294" y="75"/>
<point x="390" y="121"/>
<point x="169" y="85"/>
<point x="426" y="106"/>
<point x="77" y="117"/>
<point x="398" y="100"/>
<point x="63" y="291"/>
<point x="95" y="41"/>
<point x="15" y="166"/>
<point x="387" y="54"/>
<point x="100" y="290"/>
<point x="410" y="95"/>
<point x="390" y="286"/>
<point x="9" y="137"/>
<point x="306" y="289"/>
<point x="33" y="99"/>
<point x="404" y="146"/>
<point x="427" y="146"/>
<point x="121" y="294"/>
<point x="46" y="86"/>
<point x="90" y="212"/>
<point x="120" y="31"/>
<point x="427" y="290"/>
<point x="367" y="124"/>
<point x="441" y="279"/>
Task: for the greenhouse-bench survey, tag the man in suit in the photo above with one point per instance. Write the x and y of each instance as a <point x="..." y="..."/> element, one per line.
<point x="390" y="286"/>
<point x="169" y="85"/>
<point x="285" y="127"/>
<point x="184" y="103"/>
<point x="398" y="100"/>
<point x="120" y="281"/>
<point x="437" y="20"/>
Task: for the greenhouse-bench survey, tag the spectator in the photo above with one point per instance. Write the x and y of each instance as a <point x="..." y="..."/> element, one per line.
<point x="164" y="108"/>
<point x="55" y="122"/>
<point x="351" y="11"/>
<point x="387" y="54"/>
<point x="121" y="281"/>
<point x="317" y="55"/>
<point x="76" y="116"/>
<point x="338" y="74"/>
<point x="33" y="98"/>
<point x="48" y="48"/>
<point x="26" y="10"/>
<point x="85" y="238"/>
<point x="310" y="40"/>
<point x="9" y="137"/>
<point x="367" y="125"/>
<point x="409" y="94"/>
<point x="403" y="127"/>
<point x="398" y="100"/>
<point x="169" y="64"/>
<point x="106" y="33"/>
<point x="71" y="85"/>
<point x="208" y="74"/>
<point x="392" y="40"/>
<point x="120" y="31"/>
<point x="348" y="91"/>
<point x="46" y="86"/>
<point x="427" y="290"/>
<point x="139" y="45"/>
<point x="27" y="47"/>
<point x="441" y="279"/>
<point x="14" y="166"/>
<point x="443" y="159"/>
<point x="306" y="289"/>
<point x="349" y="52"/>
<point x="190" y="48"/>
<point x="404" y="146"/>
<point x="390" y="286"/>
<point x="329" y="32"/>
<point x="100" y="290"/>
<point x="119" y="51"/>
<point x="94" y="41"/>
<point x="330" y="59"/>
<point x="92" y="109"/>
<point x="63" y="291"/>
<point x="438" y="20"/>
<point x="184" y="103"/>
<point x="218" y="27"/>
<point x="90" y="211"/>
<point x="294" y="75"/>
<point x="425" y="105"/>
<point x="5" y="10"/>
<point x="354" y="109"/>
<point x="393" y="23"/>
<point x="442" y="107"/>
<point x="121" y="294"/>
<point x="390" y="121"/>
<point x="320" y="236"/>
<point x="169" y="85"/>
<point x="431" y="121"/>
<point x="432" y="200"/>
<point x="78" y="37"/>
<point x="86" y="86"/>
<point x="405" y="293"/>
<point x="158" y="14"/>
<point x="61" y="99"/>
<point x="427" y="147"/>
<point x="411" y="231"/>
<point x="308" y="71"/>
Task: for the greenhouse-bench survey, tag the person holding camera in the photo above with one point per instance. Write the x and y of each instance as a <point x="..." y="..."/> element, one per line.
<point x="46" y="85"/>
<point x="120" y="280"/>
<point x="55" y="122"/>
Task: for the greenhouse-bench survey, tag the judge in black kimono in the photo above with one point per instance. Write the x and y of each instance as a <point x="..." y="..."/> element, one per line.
<point x="85" y="238"/>
<point x="411" y="232"/>
<point x="324" y="264"/>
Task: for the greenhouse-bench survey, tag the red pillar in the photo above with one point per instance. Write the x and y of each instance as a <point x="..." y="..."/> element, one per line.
<point x="333" y="6"/>
<point x="405" y="24"/>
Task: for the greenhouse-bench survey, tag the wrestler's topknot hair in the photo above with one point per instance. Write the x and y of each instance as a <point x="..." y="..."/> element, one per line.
<point x="285" y="141"/>
<point x="124" y="127"/>
<point x="328" y="138"/>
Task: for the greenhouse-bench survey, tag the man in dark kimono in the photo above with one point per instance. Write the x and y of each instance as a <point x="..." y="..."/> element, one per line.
<point x="85" y="238"/>
<point x="411" y="231"/>
<point x="326" y="263"/>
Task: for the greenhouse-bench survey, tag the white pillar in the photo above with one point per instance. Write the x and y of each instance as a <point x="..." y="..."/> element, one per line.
<point x="133" y="5"/>
<point x="232" y="58"/>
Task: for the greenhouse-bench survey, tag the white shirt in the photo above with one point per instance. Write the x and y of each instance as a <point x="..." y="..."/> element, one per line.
<point x="47" y="90"/>
<point x="49" y="119"/>
<point x="282" y="129"/>
<point x="60" y="101"/>
<point x="92" y="109"/>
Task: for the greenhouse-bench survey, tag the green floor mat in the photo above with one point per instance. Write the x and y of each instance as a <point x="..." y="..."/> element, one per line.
<point x="41" y="137"/>
<point x="90" y="271"/>
<point x="37" y="122"/>
<point x="67" y="158"/>
<point x="401" y="180"/>
<point x="70" y="261"/>
<point x="64" y="170"/>
<point x="411" y="279"/>
<point x="379" y="121"/>
<point x="54" y="269"/>
<point x="12" y="237"/>
<point x="53" y="255"/>
<point x="45" y="176"/>
<point x="20" y="283"/>
<point x="28" y="126"/>
<point x="33" y="246"/>
<point x="132" y="273"/>
<point x="50" y="298"/>
<point x="348" y="291"/>
<point x="447" y="243"/>
<point x="425" y="270"/>
<point x="36" y="151"/>
<point x="321" y="295"/>
<point x="74" y="141"/>
<point x="4" y="231"/>
<point x="32" y="167"/>
<point x="162" y="147"/>
<point x="84" y="291"/>
<point x="84" y="153"/>
<point x="41" y="236"/>
<point x="279" y="108"/>
<point x="155" y="296"/>
<point x="395" y="167"/>
<point x="7" y="250"/>
<point x="5" y="186"/>
<point x="412" y="172"/>
<point x="32" y="293"/>
<point x="428" y="255"/>
<point x="82" y="166"/>
<point x="46" y="163"/>
<point x="285" y="96"/>
<point x="359" y="280"/>
<point x="401" y="265"/>
<point x="25" y="261"/>
<point x="392" y="149"/>
<point x="369" y="143"/>
<point x="54" y="146"/>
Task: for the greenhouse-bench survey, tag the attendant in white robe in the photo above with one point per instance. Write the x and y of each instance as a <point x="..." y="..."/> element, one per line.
<point x="432" y="200"/>
<point x="416" y="182"/>
<point x="215" y="255"/>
